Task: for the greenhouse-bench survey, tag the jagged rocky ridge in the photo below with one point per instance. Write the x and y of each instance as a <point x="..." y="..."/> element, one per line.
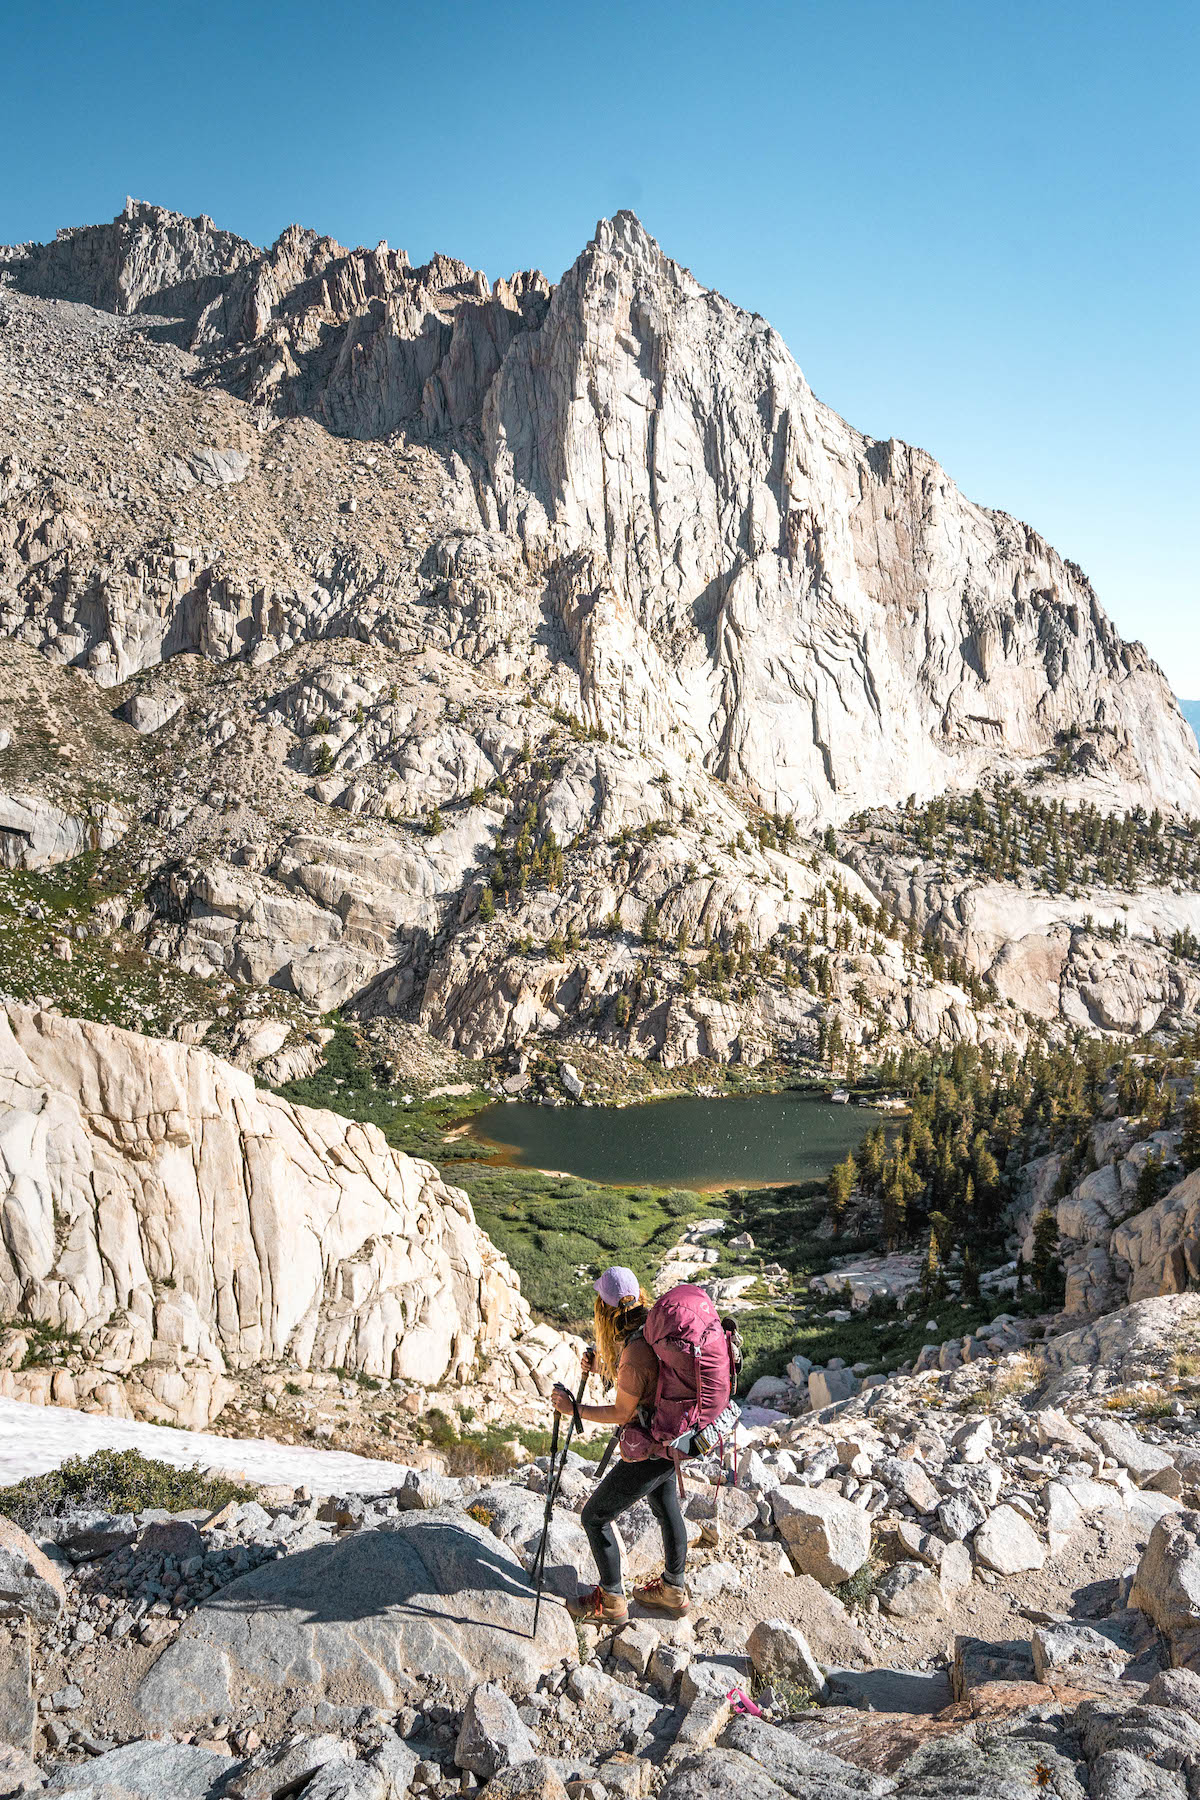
<point x="352" y="540"/>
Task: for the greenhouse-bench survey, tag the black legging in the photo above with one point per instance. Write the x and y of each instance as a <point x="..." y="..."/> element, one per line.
<point x="652" y="1480"/>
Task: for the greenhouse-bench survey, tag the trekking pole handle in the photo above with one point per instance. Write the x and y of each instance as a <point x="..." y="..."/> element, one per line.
<point x="574" y="1398"/>
<point x="582" y="1389"/>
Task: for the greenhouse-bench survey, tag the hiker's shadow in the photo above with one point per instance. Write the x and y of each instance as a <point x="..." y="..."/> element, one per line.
<point x="425" y="1566"/>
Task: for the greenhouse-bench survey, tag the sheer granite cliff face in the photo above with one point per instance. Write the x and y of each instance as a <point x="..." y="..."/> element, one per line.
<point x="187" y="1226"/>
<point x="585" y="567"/>
<point x="827" y="616"/>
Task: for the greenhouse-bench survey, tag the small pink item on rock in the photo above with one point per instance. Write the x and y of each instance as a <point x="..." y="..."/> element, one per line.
<point x="740" y="1702"/>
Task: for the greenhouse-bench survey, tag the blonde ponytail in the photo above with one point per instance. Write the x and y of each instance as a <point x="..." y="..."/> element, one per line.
<point x="615" y="1325"/>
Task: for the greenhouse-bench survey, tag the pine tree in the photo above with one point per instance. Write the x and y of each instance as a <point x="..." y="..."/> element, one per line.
<point x="1150" y="1181"/>
<point x="933" y="1278"/>
<point x="870" y="1157"/>
<point x="968" y="1199"/>
<point x="1189" y="1147"/>
<point x="986" y="1169"/>
<point x="895" y="1207"/>
<point x="487" y="906"/>
<point x="1047" y="1269"/>
<point x="839" y="1188"/>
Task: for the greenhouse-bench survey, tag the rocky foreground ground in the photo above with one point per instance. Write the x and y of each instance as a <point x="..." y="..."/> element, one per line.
<point x="982" y="1582"/>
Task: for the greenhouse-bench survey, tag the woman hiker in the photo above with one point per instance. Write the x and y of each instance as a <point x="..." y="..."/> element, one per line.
<point x="622" y="1356"/>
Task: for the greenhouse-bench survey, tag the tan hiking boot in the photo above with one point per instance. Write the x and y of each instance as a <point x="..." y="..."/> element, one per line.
<point x="599" y="1607"/>
<point x="660" y="1596"/>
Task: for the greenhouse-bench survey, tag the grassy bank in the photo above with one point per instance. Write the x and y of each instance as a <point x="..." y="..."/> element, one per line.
<point x="559" y="1231"/>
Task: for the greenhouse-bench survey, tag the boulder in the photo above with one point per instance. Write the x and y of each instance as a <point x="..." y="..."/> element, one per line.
<point x="797" y="1767"/>
<point x="716" y="1578"/>
<point x="910" y="1590"/>
<point x="703" y="1722"/>
<point x="971" y="1442"/>
<point x="18" y="1707"/>
<point x="768" y="1387"/>
<point x="147" y="1770"/>
<point x="714" y="1774"/>
<point x="1123" y="1444"/>
<point x="1077" y="1656"/>
<point x="19" y="1774"/>
<point x="492" y="1735"/>
<point x="1064" y="1516"/>
<point x="284" y="1768"/>
<point x="635" y="1645"/>
<point x="714" y="1677"/>
<point x="979" y="1662"/>
<point x="437" y="1595"/>
<point x="1007" y="1543"/>
<point x="516" y="1516"/>
<point x="826" y="1536"/>
<point x="624" y="1708"/>
<point x="536" y="1780"/>
<point x="30" y="1585"/>
<point x="667" y="1663"/>
<point x="954" y="1569"/>
<point x="355" y="1781"/>
<point x="1176" y="1689"/>
<point x="960" y="1514"/>
<point x="1167" y="1584"/>
<point x="828" y="1386"/>
<point x="729" y="1511"/>
<point x="907" y="1476"/>
<point x="424" y="1491"/>
<point x="571" y="1079"/>
<point x="778" y="1648"/>
<point x="1055" y="1430"/>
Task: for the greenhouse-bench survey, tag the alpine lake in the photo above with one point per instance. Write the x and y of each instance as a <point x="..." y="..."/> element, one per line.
<point x="693" y="1141"/>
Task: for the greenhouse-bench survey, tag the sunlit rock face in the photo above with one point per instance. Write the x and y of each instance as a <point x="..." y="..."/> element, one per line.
<point x="188" y="1225"/>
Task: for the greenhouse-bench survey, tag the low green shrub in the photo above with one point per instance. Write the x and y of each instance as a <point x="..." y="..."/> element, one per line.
<point x="116" y="1481"/>
<point x="855" y="1593"/>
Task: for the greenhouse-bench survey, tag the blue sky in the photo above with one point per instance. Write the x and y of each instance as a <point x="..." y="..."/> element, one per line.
<point x="974" y="224"/>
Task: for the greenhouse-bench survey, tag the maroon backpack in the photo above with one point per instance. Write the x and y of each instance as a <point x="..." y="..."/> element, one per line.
<point x="697" y="1369"/>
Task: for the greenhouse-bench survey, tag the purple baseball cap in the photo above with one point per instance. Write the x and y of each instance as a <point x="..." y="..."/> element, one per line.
<point x="617" y="1284"/>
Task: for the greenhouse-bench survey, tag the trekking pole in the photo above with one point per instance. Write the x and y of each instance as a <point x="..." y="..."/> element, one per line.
<point x="553" y="1479"/>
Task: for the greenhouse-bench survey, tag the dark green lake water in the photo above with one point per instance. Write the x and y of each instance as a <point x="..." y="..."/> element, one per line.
<point x="755" y="1138"/>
